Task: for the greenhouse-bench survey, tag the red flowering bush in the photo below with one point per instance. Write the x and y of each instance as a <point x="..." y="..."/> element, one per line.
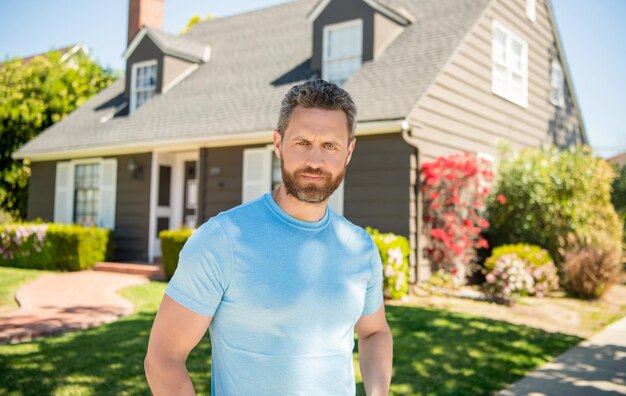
<point x="454" y="188"/>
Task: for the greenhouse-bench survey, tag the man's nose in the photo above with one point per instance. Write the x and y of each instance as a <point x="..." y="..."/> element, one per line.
<point x="315" y="158"/>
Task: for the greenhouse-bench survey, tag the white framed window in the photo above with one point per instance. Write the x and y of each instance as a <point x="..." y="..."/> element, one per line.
<point x="531" y="9"/>
<point x="261" y="174"/>
<point x="85" y="192"/>
<point x="509" y="65"/>
<point x="143" y="83"/>
<point x="557" y="85"/>
<point x="342" y="52"/>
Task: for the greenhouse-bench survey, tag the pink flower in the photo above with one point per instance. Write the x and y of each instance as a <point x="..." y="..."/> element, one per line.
<point x="491" y="278"/>
<point x="502" y="199"/>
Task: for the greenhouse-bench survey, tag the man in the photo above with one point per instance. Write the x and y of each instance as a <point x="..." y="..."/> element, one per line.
<point x="281" y="282"/>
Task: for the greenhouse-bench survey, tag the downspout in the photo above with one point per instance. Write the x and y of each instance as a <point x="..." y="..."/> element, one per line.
<point x="412" y="141"/>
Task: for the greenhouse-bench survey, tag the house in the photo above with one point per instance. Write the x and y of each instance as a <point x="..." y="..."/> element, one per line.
<point x="618" y="159"/>
<point x="68" y="54"/>
<point x="188" y="132"/>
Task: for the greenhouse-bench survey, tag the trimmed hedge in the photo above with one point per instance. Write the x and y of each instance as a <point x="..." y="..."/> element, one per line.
<point x="172" y="242"/>
<point x="64" y="247"/>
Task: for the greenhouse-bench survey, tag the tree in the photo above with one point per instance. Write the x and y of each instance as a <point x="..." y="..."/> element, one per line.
<point x="193" y="20"/>
<point x="32" y="98"/>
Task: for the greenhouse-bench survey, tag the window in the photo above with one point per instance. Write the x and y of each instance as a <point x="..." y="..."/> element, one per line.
<point x="531" y="9"/>
<point x="509" y="61"/>
<point x="85" y="192"/>
<point x="87" y="180"/>
<point x="143" y="83"/>
<point x="557" y="87"/>
<point x="343" y="50"/>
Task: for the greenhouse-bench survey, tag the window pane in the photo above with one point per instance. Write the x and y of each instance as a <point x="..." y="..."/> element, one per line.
<point x="86" y="193"/>
<point x="343" y="48"/>
<point x="499" y="46"/>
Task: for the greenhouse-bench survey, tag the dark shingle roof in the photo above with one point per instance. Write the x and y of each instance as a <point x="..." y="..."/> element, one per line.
<point x="255" y="58"/>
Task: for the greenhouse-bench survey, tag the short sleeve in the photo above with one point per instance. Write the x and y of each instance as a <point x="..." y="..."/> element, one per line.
<point x="204" y="269"/>
<point x="374" y="291"/>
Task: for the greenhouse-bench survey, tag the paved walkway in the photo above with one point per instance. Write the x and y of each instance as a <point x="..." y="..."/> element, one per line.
<point x="596" y="366"/>
<point x="62" y="302"/>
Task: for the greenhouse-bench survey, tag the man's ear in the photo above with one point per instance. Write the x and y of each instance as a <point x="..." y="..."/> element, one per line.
<point x="350" y="149"/>
<point x="277" y="142"/>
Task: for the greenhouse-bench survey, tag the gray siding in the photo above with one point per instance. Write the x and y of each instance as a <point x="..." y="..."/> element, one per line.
<point x="146" y="50"/>
<point x="132" y="204"/>
<point x="459" y="112"/>
<point x="41" y="190"/>
<point x="174" y="67"/>
<point x="376" y="191"/>
<point x="132" y="209"/>
<point x="220" y="192"/>
<point x="340" y="11"/>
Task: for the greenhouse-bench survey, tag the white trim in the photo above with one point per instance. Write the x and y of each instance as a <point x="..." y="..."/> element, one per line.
<point x="176" y="160"/>
<point x="152" y="216"/>
<point x="401" y="19"/>
<point x="133" y="73"/>
<point x="258" y="137"/>
<point x="560" y="101"/>
<point x="531" y="10"/>
<point x="75" y="49"/>
<point x="72" y="185"/>
<point x="358" y="22"/>
<point x="507" y="93"/>
<point x="179" y="78"/>
<point x="146" y="32"/>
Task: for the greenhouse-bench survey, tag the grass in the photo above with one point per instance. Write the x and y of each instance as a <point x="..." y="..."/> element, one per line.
<point x="435" y="352"/>
<point x="10" y="280"/>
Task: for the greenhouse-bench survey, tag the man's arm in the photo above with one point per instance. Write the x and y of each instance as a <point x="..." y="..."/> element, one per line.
<point x="175" y="332"/>
<point x="375" y="352"/>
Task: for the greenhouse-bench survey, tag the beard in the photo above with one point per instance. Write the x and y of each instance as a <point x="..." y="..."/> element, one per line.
<point x="310" y="192"/>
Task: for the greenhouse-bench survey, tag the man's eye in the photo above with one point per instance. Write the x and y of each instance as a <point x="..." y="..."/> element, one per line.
<point x="330" y="146"/>
<point x="302" y="142"/>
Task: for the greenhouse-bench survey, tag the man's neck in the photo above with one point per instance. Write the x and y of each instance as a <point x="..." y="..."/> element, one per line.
<point x="298" y="209"/>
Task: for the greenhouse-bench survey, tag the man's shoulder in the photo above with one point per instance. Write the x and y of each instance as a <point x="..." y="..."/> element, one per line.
<point x="355" y="234"/>
<point x="240" y="214"/>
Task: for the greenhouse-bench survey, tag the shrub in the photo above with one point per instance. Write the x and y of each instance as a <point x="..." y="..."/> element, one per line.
<point x="537" y="262"/>
<point x="618" y="198"/>
<point x="172" y="242"/>
<point x="509" y="278"/>
<point x="53" y="246"/>
<point x="394" y="251"/>
<point x="541" y="195"/>
<point x="591" y="271"/>
<point x="453" y="190"/>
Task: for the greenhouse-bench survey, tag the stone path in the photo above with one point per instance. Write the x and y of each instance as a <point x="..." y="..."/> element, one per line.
<point x="62" y="302"/>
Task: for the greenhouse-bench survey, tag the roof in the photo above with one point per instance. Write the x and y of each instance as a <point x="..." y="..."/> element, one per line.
<point x="66" y="53"/>
<point x="619" y="159"/>
<point x="170" y="44"/>
<point x="253" y="64"/>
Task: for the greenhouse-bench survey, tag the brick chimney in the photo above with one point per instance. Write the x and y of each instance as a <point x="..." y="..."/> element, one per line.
<point x="144" y="13"/>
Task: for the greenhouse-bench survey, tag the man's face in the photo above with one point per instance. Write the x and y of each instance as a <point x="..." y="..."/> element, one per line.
<point x="314" y="153"/>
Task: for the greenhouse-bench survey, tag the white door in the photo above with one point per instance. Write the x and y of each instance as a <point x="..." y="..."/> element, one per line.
<point x="165" y="187"/>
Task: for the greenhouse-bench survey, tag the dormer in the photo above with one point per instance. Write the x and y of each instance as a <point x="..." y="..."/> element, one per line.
<point x="347" y="33"/>
<point x="156" y="61"/>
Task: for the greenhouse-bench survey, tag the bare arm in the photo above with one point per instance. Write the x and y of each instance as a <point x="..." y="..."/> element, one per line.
<point x="175" y="332"/>
<point x="375" y="352"/>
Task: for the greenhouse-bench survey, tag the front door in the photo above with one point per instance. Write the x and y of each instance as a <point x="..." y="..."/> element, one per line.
<point x="165" y="191"/>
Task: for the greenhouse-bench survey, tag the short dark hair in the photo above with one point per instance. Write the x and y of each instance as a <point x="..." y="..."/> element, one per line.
<point x="318" y="94"/>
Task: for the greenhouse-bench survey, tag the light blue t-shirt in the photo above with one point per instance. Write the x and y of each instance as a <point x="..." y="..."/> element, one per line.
<point x="284" y="295"/>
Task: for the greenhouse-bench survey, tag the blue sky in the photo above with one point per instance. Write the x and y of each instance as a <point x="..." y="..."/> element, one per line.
<point x="593" y="37"/>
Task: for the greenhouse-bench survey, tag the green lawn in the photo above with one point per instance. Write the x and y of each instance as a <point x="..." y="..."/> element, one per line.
<point x="435" y="352"/>
<point x="10" y="280"/>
